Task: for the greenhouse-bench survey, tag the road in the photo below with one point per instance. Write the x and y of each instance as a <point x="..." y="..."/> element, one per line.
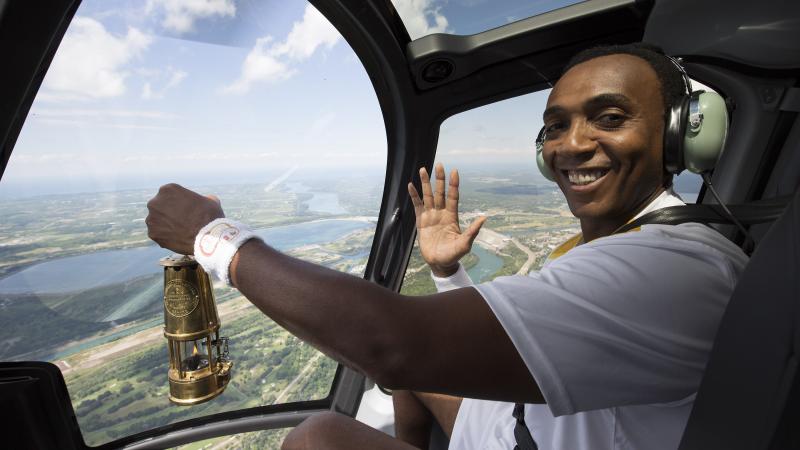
<point x="285" y="392"/>
<point x="228" y="311"/>
<point x="531" y="257"/>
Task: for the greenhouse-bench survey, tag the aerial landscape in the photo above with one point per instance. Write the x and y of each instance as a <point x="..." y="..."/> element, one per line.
<point x="80" y="286"/>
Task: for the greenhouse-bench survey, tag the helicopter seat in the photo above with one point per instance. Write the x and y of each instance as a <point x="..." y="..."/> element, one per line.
<point x="749" y="397"/>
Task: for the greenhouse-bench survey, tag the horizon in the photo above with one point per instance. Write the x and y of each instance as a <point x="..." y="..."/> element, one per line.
<point x="165" y="90"/>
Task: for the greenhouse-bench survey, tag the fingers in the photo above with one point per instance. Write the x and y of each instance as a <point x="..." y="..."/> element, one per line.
<point x="452" y="194"/>
<point x="427" y="194"/>
<point x="438" y="196"/>
<point x="473" y="229"/>
<point x="418" y="206"/>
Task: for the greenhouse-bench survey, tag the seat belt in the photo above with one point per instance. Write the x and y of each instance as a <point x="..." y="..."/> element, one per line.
<point x="751" y="213"/>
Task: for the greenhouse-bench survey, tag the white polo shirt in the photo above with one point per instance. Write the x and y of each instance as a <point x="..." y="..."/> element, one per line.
<point x="616" y="332"/>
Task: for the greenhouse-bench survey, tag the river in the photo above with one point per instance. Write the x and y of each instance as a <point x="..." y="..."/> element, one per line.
<point x="488" y="264"/>
<point x="77" y="273"/>
<point x="324" y="202"/>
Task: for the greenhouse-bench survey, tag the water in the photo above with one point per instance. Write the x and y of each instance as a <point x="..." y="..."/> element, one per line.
<point x="76" y="273"/>
<point x="324" y="202"/>
<point x="488" y="264"/>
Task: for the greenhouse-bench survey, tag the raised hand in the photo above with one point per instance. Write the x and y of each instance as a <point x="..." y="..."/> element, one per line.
<point x="441" y="241"/>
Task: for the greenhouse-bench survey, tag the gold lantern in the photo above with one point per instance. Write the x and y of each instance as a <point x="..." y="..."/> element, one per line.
<point x="199" y="367"/>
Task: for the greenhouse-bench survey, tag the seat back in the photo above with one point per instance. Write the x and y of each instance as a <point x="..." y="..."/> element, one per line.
<point x="35" y="409"/>
<point x="750" y="391"/>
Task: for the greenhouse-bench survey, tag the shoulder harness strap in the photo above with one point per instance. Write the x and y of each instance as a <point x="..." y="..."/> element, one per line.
<point x="760" y="211"/>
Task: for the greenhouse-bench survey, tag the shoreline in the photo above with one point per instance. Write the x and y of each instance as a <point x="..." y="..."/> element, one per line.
<point x="13" y="270"/>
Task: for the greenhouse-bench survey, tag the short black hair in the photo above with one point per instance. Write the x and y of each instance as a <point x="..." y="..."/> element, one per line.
<point x="673" y="86"/>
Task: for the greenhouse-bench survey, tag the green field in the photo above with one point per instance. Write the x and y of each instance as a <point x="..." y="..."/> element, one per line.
<point x="129" y="394"/>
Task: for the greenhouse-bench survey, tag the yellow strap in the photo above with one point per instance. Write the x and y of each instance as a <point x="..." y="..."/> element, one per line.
<point x="573" y="242"/>
<point x="565" y="247"/>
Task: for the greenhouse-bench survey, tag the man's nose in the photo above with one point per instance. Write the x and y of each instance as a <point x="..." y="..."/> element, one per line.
<point x="577" y="139"/>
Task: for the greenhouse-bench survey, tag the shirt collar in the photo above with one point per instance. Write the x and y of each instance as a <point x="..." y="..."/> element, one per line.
<point x="665" y="199"/>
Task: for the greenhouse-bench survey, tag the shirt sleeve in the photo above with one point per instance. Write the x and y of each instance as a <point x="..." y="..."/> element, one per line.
<point x="629" y="321"/>
<point x="457" y="280"/>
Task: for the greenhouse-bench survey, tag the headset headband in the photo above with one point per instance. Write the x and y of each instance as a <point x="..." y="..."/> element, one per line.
<point x="686" y="80"/>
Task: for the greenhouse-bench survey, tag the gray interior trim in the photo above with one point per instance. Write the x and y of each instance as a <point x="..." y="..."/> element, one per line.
<point x="468" y="54"/>
<point x="752" y="122"/>
<point x="763" y="34"/>
<point x="346" y="399"/>
<point x="791" y="100"/>
<point x="458" y="44"/>
<point x="224" y="428"/>
<point x="349" y="389"/>
<point x="785" y="177"/>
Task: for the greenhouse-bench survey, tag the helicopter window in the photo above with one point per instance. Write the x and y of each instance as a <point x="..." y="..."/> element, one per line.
<point x="687" y="185"/>
<point x="255" y="102"/>
<point x="464" y="17"/>
<point x="493" y="149"/>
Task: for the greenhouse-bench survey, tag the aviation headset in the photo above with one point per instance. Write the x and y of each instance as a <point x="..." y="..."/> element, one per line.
<point x="694" y="133"/>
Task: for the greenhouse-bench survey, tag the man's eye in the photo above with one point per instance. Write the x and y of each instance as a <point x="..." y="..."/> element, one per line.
<point x="611" y="120"/>
<point x="553" y="128"/>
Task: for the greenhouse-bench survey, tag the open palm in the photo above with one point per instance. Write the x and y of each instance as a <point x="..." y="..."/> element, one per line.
<point x="441" y="241"/>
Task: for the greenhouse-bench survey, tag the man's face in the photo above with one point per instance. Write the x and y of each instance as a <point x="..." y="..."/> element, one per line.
<point x="604" y="124"/>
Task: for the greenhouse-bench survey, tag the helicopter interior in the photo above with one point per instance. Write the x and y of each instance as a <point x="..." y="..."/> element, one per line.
<point x="748" y="52"/>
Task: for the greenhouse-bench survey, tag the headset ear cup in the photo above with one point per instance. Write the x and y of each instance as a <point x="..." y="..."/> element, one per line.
<point x="703" y="142"/>
<point x="673" y="137"/>
<point x="543" y="167"/>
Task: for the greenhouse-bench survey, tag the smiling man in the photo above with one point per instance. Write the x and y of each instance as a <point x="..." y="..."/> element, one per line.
<point x="605" y="346"/>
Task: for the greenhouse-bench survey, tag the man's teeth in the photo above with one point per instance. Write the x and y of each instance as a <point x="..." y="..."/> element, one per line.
<point x="581" y="177"/>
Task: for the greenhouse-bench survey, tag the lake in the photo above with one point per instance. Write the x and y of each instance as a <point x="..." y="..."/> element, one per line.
<point x="76" y="273"/>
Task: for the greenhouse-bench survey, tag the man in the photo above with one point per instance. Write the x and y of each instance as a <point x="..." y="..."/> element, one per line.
<point x="613" y="335"/>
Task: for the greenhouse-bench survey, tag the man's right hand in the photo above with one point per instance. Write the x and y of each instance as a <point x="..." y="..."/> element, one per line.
<point x="441" y="241"/>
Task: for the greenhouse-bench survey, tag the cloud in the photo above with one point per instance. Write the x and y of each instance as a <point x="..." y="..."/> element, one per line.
<point x="72" y="113"/>
<point x="180" y="15"/>
<point x="307" y="35"/>
<point x="260" y="66"/>
<point x="421" y="17"/>
<point x="270" y="61"/>
<point x="174" y="78"/>
<point x="114" y="125"/>
<point x="100" y="118"/>
<point x="90" y="62"/>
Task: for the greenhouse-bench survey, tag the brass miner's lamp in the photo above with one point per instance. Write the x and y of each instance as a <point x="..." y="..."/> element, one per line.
<point x="199" y="368"/>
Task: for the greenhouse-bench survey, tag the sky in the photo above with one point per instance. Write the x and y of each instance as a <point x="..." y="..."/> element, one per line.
<point x="143" y="92"/>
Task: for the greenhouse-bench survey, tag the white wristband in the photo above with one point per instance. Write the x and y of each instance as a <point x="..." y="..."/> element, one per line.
<point x="457" y="280"/>
<point x="217" y="242"/>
